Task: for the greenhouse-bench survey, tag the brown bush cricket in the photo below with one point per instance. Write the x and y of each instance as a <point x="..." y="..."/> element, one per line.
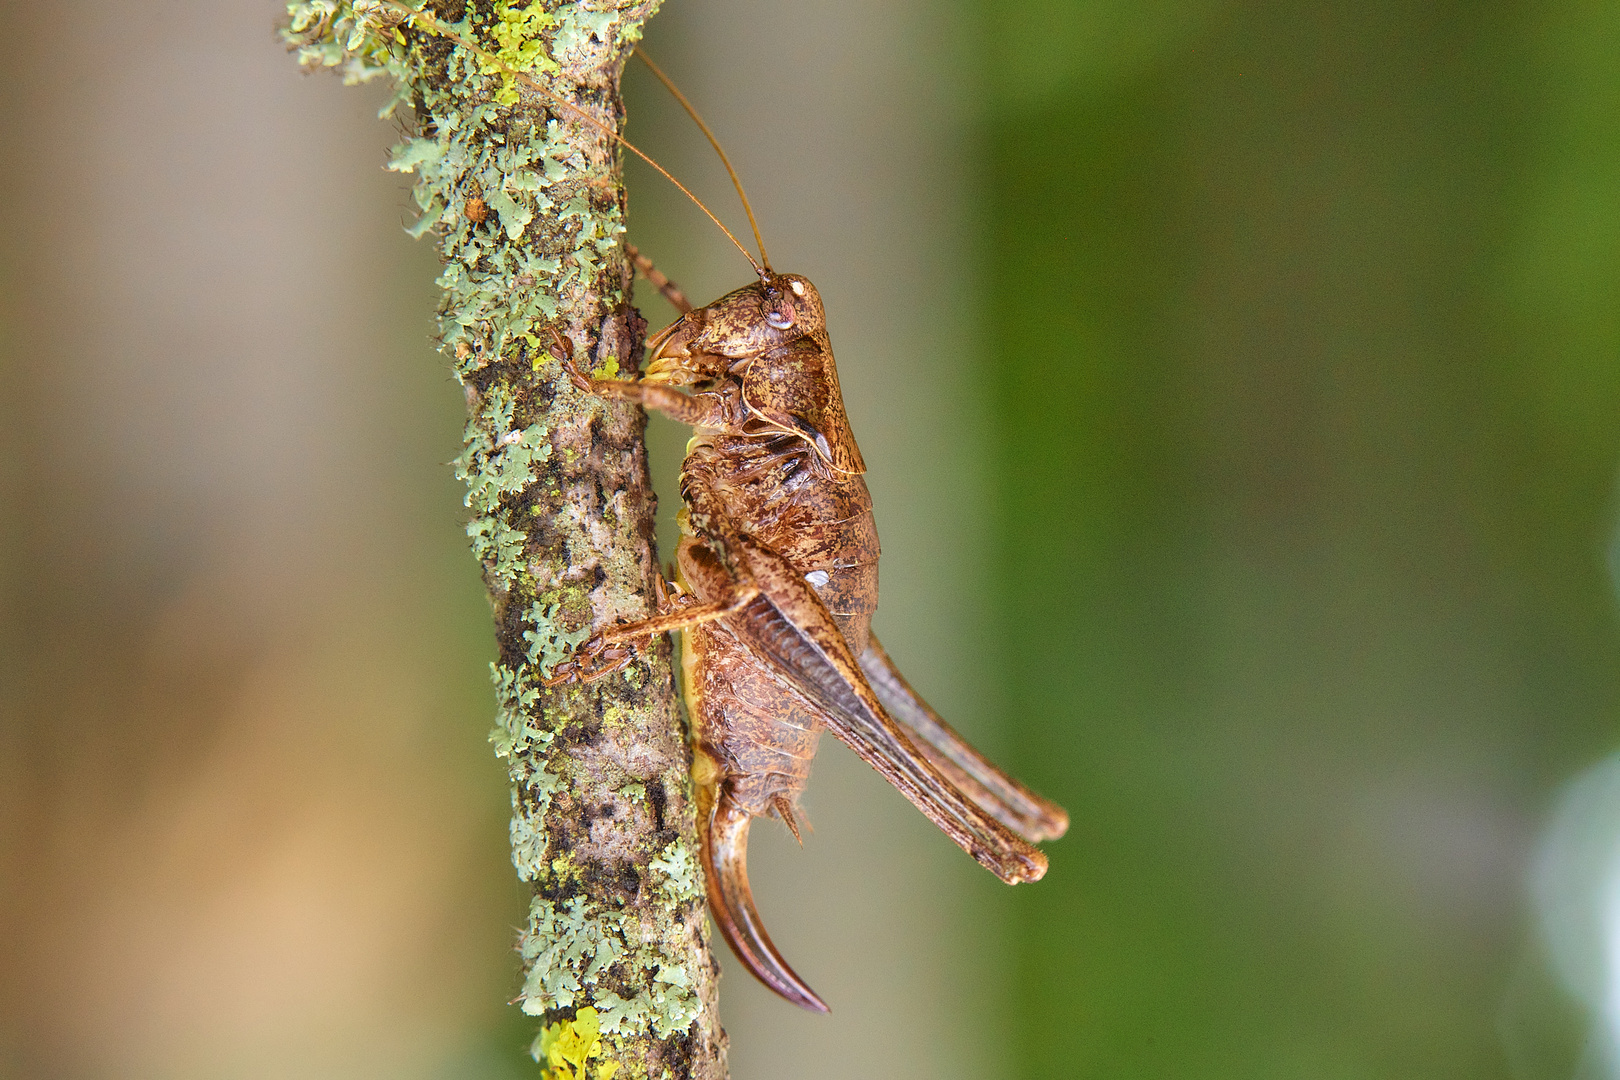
<point x="776" y="586"/>
<point x="775" y="589"/>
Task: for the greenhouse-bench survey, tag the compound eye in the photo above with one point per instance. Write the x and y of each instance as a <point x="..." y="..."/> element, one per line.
<point x="780" y="314"/>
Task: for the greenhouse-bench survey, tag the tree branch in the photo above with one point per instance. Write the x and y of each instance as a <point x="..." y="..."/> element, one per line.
<point x="527" y="202"/>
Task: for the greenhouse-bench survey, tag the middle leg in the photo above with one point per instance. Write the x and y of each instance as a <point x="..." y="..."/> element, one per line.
<point x="611" y="649"/>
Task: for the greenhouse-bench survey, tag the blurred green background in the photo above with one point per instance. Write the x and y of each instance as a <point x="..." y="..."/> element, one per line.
<point x="1241" y="389"/>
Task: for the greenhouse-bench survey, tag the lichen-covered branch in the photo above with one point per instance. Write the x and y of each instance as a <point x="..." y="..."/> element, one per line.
<point x="527" y="204"/>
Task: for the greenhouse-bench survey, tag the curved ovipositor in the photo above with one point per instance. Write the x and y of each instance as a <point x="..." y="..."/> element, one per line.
<point x="731" y="902"/>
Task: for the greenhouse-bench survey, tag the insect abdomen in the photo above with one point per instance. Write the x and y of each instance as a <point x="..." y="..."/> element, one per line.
<point x="764" y="739"/>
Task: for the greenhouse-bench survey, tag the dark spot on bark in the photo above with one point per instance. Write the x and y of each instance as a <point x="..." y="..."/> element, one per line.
<point x="555" y="1016"/>
<point x="616" y="882"/>
<point x="678" y="1054"/>
<point x="557" y="890"/>
<point x="562" y="806"/>
<point x="483" y="379"/>
<point x="621" y="979"/>
<point x="659" y="799"/>
<point x="598" y="576"/>
<point x="591" y="729"/>
<point x="509" y="627"/>
<point x="638" y="329"/>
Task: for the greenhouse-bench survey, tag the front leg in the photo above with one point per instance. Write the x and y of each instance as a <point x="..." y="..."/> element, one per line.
<point x="704" y="410"/>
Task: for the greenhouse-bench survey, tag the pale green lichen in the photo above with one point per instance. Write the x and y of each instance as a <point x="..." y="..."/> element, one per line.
<point x="515" y="178"/>
<point x="581" y="25"/>
<point x="511" y="177"/>
<point x="568" y="946"/>
<point x="548" y="642"/>
<point x="667" y="1008"/>
<point x="531" y="845"/>
<point x="683" y="878"/>
<point x="577" y="25"/>
<point x="516" y="699"/>
<point x="496" y="462"/>
<point x="361" y="40"/>
<point x="571" y="946"/>
<point x="520" y="740"/>
<point x="478" y="151"/>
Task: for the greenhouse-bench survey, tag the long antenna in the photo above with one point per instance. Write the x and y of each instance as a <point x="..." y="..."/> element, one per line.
<point x="714" y="142"/>
<point x="431" y="24"/>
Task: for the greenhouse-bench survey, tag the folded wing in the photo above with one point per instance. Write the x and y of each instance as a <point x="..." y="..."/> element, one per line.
<point x="788" y="626"/>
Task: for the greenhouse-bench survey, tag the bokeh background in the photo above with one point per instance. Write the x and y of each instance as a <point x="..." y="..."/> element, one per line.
<point x="1241" y="388"/>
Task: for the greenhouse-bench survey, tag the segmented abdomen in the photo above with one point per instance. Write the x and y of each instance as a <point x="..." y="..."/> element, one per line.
<point x="762" y="738"/>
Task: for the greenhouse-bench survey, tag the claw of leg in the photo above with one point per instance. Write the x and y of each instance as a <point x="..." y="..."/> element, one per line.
<point x="562" y="350"/>
<point x="725" y="866"/>
<point x="591" y="661"/>
<point x="667" y="592"/>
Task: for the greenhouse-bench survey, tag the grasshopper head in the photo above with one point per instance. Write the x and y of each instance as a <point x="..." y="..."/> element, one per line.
<point x="707" y="342"/>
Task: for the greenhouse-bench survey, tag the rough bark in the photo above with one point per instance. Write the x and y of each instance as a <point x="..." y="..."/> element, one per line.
<point x="526" y="202"/>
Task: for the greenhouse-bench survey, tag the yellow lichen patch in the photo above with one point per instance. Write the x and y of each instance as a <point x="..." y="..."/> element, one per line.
<point x="566" y="1049"/>
<point x="517" y="32"/>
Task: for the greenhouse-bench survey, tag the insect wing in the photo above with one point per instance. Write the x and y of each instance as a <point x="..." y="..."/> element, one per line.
<point x="1029" y="815"/>
<point x="788" y="626"/>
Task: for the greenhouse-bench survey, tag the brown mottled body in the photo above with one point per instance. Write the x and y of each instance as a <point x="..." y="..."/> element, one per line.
<point x="778" y="561"/>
